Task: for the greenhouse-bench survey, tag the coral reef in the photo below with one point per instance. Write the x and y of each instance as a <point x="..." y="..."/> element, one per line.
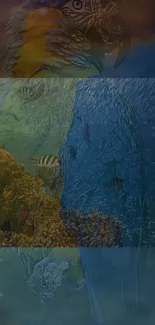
<point x="34" y="217"/>
<point x="53" y="180"/>
<point x="6" y="162"/>
<point x="35" y="220"/>
<point x="93" y="230"/>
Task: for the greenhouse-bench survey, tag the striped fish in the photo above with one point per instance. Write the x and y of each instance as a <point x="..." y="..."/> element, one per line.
<point x="31" y="93"/>
<point x="48" y="161"/>
<point x="115" y="182"/>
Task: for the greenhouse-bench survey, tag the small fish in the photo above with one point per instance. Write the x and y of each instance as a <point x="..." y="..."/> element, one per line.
<point x="115" y="182"/>
<point x="49" y="161"/>
<point x="29" y="94"/>
<point x="73" y="152"/>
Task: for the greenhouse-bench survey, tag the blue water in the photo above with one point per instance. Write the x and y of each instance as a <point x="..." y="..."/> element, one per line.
<point x="113" y="133"/>
<point x="123" y="294"/>
<point x="139" y="63"/>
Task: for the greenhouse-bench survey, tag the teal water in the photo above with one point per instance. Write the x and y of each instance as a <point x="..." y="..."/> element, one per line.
<point x="19" y="305"/>
<point x="125" y="294"/>
<point x="119" y="284"/>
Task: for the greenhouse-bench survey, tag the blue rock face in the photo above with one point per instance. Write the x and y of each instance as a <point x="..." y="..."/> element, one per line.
<point x="112" y="135"/>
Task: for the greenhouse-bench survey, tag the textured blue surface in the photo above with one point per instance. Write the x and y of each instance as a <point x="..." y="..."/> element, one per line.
<point x="120" y="143"/>
<point x="113" y="134"/>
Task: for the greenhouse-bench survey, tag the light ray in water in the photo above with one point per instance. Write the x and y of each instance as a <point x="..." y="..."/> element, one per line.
<point x="140" y="254"/>
<point x="95" y="308"/>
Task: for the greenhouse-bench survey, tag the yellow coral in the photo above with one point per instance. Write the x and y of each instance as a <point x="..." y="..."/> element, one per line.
<point x="5" y="157"/>
<point x="22" y="196"/>
<point x="23" y="192"/>
<point x="6" y="161"/>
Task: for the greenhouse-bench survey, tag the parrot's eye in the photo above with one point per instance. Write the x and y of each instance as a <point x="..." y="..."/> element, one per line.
<point x="72" y="5"/>
<point x="77" y="4"/>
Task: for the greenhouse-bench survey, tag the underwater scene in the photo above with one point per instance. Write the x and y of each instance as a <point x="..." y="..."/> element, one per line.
<point x="77" y="204"/>
<point x="77" y="159"/>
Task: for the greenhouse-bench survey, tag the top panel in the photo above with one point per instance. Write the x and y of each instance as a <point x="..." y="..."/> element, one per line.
<point x="77" y="38"/>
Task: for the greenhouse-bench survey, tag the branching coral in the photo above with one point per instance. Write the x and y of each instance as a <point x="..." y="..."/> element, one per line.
<point x="6" y="162"/>
<point x="94" y="230"/>
<point x="35" y="217"/>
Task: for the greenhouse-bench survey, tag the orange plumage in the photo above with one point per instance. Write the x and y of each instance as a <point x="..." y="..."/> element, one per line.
<point x="33" y="53"/>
